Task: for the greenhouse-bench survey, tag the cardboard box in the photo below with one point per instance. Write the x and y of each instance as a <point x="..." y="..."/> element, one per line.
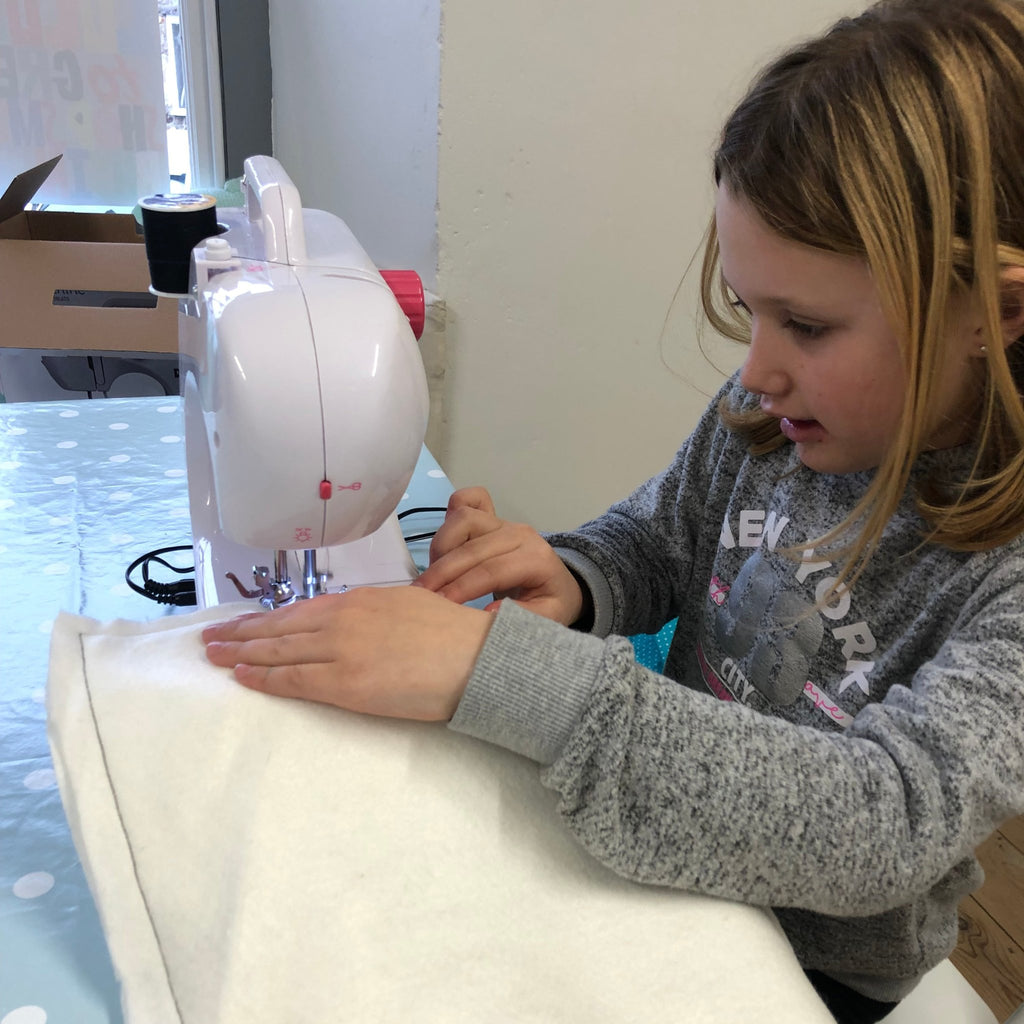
<point x="76" y="281"/>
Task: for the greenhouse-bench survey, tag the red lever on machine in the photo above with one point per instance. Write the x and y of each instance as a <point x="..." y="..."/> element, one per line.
<point x="408" y="289"/>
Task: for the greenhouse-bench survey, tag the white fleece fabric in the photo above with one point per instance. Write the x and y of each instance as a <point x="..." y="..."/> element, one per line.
<point x="258" y="859"/>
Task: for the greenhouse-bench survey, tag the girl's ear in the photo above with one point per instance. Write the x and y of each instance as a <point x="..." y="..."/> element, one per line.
<point x="1011" y="304"/>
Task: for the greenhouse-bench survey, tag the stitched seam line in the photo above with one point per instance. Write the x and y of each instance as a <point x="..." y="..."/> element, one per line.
<point x="124" y="830"/>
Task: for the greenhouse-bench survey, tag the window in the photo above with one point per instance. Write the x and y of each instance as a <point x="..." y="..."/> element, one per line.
<point x="217" y="85"/>
<point x="172" y="61"/>
<point x="192" y="90"/>
<point x="127" y="90"/>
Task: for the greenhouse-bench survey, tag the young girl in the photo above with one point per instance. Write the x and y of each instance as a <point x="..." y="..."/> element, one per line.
<point x="841" y="719"/>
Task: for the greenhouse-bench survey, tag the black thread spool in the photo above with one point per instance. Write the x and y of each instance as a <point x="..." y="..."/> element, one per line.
<point x="173" y="225"/>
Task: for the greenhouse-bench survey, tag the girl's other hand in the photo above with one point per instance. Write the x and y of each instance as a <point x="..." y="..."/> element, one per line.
<point x="476" y="553"/>
<point x="400" y="652"/>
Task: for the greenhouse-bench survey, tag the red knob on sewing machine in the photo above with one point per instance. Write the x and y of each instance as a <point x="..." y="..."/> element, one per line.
<point x="408" y="289"/>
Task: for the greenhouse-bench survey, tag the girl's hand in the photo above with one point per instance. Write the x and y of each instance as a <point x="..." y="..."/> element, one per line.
<point x="476" y="553"/>
<point x="401" y="652"/>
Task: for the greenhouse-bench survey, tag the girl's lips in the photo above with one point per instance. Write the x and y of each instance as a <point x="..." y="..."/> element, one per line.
<point x="801" y="431"/>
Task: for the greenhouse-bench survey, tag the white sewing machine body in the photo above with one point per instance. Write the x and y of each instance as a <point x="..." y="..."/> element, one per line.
<point x="305" y="401"/>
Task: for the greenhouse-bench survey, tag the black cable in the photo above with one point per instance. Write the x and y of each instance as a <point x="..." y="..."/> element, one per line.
<point x="415" y="511"/>
<point x="181" y="594"/>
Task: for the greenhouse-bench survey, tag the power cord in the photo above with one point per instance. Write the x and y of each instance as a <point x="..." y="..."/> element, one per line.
<point x="181" y="593"/>
<point x="418" y="511"/>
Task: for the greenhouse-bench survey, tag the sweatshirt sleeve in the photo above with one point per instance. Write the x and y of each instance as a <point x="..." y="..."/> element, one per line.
<point x="667" y="785"/>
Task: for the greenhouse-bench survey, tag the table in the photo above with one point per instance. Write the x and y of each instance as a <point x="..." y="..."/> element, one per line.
<point x="86" y="487"/>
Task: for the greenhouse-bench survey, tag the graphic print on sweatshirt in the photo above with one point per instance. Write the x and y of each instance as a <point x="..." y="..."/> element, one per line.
<point x="775" y="630"/>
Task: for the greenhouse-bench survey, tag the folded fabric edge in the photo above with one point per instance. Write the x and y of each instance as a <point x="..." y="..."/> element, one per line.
<point x="90" y="804"/>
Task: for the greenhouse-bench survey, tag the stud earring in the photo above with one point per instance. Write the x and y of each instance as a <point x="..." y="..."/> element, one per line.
<point x="983" y="350"/>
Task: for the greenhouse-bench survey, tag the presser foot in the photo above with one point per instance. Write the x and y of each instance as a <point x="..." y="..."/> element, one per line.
<point x="278" y="592"/>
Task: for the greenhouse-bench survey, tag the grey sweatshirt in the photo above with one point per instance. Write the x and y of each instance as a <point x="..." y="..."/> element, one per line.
<point x="838" y="764"/>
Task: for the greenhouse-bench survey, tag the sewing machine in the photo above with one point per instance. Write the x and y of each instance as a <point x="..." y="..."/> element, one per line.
<point x="305" y="403"/>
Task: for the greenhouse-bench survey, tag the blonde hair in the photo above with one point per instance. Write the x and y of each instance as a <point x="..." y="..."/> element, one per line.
<point x="898" y="138"/>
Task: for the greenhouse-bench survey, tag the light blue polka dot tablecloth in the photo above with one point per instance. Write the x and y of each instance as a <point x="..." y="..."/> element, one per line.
<point x="86" y="487"/>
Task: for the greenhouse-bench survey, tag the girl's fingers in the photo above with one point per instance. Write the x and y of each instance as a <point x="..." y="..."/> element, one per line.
<point x="468" y="556"/>
<point x="397" y="651"/>
<point x="460" y="527"/>
<point x="500" y="575"/>
<point x="471" y="497"/>
<point x="302" y="616"/>
<point x="293" y="649"/>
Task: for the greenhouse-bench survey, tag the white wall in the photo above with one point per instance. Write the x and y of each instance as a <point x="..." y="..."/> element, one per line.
<point x="572" y="190"/>
<point x="355" y="95"/>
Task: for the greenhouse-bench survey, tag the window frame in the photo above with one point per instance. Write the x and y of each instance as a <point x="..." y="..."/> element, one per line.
<point x="200" y="37"/>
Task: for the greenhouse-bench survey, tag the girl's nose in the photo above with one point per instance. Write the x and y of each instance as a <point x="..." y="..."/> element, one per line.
<point x="764" y="370"/>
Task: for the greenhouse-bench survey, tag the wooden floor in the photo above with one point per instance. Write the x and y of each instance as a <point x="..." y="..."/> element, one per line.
<point x="990" y="954"/>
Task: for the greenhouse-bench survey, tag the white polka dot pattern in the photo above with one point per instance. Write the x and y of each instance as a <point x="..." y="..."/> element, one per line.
<point x="25" y="1015"/>
<point x="84" y="490"/>
<point x="86" y="487"/>
<point x="30" y="886"/>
